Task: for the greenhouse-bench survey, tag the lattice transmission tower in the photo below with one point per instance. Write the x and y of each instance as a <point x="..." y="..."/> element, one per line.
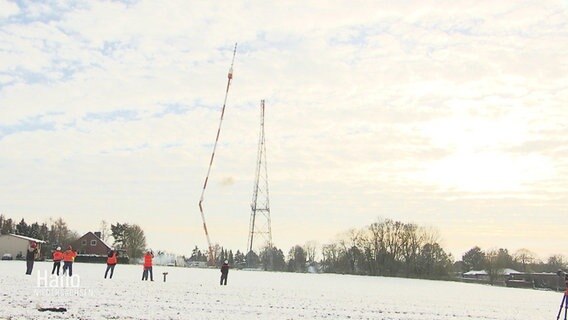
<point x="259" y="226"/>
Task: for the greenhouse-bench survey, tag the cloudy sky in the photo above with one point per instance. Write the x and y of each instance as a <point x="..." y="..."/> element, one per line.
<point x="449" y="114"/>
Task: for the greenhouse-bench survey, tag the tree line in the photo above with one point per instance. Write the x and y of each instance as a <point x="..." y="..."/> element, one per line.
<point x="383" y="248"/>
<point x="389" y="248"/>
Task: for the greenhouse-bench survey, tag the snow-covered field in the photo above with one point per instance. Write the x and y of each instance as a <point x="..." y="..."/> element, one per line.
<point x="196" y="294"/>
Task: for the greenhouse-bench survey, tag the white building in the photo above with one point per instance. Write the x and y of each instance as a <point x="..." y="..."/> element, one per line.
<point x="16" y="245"/>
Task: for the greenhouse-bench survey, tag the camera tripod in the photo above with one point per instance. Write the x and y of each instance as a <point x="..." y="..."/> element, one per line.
<point x="564" y="304"/>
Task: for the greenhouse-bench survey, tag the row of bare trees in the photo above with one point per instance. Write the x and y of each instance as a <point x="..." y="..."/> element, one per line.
<point x="388" y="248"/>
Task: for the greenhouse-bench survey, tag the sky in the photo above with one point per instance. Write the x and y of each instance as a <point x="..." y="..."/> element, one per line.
<point x="447" y="114"/>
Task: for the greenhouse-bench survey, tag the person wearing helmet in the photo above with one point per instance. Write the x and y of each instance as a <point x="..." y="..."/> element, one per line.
<point x="68" y="258"/>
<point x="111" y="262"/>
<point x="57" y="257"/>
<point x="31" y="255"/>
<point x="224" y="272"/>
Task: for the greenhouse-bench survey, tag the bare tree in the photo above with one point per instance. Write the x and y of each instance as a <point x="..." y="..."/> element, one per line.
<point x="524" y="257"/>
<point x="105" y="231"/>
<point x="59" y="233"/>
<point x="348" y="243"/>
<point x="311" y="249"/>
<point x="412" y="241"/>
<point x="492" y="265"/>
<point x="216" y="252"/>
<point x="430" y="234"/>
<point x="556" y="262"/>
<point x="377" y="246"/>
<point x="330" y="256"/>
<point x="393" y="244"/>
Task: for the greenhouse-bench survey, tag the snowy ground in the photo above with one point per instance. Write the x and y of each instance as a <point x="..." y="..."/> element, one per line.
<point x="196" y="294"/>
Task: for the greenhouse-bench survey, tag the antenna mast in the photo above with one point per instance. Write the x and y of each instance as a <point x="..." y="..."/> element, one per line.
<point x="260" y="206"/>
<point x="212" y="257"/>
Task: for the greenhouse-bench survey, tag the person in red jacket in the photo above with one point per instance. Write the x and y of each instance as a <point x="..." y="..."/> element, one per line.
<point x="68" y="258"/>
<point x="224" y="272"/>
<point x="111" y="262"/>
<point x="57" y="257"/>
<point x="148" y="266"/>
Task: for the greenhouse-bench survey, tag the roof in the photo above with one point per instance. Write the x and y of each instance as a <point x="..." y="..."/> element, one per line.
<point x="476" y="273"/>
<point x="101" y="240"/>
<point x="508" y="271"/>
<point x="505" y="271"/>
<point x="25" y="238"/>
<point x="106" y="244"/>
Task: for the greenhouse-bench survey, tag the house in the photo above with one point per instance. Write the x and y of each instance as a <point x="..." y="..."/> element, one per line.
<point x="16" y="245"/>
<point x="91" y="243"/>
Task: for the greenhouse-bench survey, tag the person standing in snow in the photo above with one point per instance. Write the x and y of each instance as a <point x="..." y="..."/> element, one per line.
<point x="68" y="258"/>
<point x="111" y="262"/>
<point x="148" y="266"/>
<point x="31" y="254"/>
<point x="57" y="257"/>
<point x="224" y="272"/>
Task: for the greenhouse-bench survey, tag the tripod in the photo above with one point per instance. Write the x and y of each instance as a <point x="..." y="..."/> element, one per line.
<point x="564" y="304"/>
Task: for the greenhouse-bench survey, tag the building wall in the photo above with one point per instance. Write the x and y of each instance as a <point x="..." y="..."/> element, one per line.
<point x="13" y="246"/>
<point x="90" y="244"/>
<point x="537" y="280"/>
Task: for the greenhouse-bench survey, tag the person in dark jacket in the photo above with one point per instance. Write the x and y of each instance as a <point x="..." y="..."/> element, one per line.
<point x="31" y="255"/>
<point x="111" y="262"/>
<point x="224" y="272"/>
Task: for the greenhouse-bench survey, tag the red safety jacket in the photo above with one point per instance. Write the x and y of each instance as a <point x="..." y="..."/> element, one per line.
<point x="57" y="256"/>
<point x="147" y="260"/>
<point x="69" y="255"/>
<point x="112" y="259"/>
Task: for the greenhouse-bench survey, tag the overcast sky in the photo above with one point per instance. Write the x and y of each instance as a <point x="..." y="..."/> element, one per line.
<point x="448" y="114"/>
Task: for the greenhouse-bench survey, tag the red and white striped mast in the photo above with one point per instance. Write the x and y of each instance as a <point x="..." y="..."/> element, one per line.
<point x="212" y="258"/>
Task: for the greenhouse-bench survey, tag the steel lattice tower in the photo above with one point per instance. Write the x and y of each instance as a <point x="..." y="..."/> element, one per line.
<point x="260" y="206"/>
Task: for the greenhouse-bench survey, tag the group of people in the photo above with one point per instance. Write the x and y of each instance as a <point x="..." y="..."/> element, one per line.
<point x="68" y="257"/>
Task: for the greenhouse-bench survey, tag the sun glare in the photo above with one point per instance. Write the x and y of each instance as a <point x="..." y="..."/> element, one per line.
<point x="487" y="172"/>
<point x="480" y="158"/>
